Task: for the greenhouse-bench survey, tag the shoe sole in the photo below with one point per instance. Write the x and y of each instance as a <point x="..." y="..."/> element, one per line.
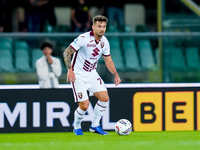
<point x="91" y="130"/>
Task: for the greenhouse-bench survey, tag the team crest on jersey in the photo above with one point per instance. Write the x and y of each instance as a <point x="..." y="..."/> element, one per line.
<point x="80" y="95"/>
<point x="102" y="44"/>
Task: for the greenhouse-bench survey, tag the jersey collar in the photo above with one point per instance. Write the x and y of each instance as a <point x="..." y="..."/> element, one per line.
<point x="92" y="34"/>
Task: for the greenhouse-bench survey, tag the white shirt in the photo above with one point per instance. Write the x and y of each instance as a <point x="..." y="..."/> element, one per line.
<point x="43" y="72"/>
<point x="88" y="52"/>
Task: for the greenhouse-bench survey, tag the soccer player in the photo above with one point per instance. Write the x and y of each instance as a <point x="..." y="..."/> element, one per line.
<point x="86" y="50"/>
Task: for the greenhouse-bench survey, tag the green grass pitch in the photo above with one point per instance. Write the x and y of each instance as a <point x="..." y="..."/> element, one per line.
<point x="164" y="140"/>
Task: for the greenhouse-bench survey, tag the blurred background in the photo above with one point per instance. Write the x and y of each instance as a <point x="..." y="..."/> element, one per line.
<point x="157" y="41"/>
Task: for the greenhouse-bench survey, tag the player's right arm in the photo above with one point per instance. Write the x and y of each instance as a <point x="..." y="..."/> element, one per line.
<point x="67" y="59"/>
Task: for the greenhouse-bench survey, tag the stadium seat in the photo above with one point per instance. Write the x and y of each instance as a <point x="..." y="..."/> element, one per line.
<point x="4" y="39"/>
<point x="64" y="69"/>
<point x="177" y="59"/>
<point x="49" y="28"/>
<point x="146" y="54"/>
<point x="19" y="45"/>
<point x="192" y="57"/>
<point x="141" y="28"/>
<point x="35" y="55"/>
<point x="22" y="61"/>
<point x="130" y="54"/>
<point x="63" y="28"/>
<point x="157" y="56"/>
<point x="112" y="28"/>
<point x="6" y="61"/>
<point x="126" y="28"/>
<point x="116" y="53"/>
<point x="6" y="45"/>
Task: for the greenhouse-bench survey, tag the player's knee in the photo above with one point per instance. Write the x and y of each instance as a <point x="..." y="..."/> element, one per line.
<point x="84" y="105"/>
<point x="102" y="96"/>
<point x="105" y="99"/>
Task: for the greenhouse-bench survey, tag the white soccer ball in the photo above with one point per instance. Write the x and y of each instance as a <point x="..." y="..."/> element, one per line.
<point x="123" y="127"/>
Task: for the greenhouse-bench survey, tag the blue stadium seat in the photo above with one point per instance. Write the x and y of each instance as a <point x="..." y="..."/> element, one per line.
<point x="116" y="53"/>
<point x="21" y="45"/>
<point x="146" y="54"/>
<point x="35" y="55"/>
<point x="126" y="28"/>
<point x="6" y="39"/>
<point x="130" y="54"/>
<point x="6" y="45"/>
<point x="22" y="60"/>
<point x="192" y="57"/>
<point x="6" y="61"/>
<point x="112" y="28"/>
<point x="177" y="59"/>
<point x="64" y="69"/>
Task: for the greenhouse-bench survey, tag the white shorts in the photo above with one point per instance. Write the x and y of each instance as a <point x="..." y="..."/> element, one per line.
<point x="92" y="83"/>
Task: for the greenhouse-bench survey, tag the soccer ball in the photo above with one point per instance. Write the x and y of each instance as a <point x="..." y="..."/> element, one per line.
<point x="123" y="127"/>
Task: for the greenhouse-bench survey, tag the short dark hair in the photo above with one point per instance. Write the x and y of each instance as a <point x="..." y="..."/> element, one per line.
<point x="46" y="44"/>
<point x="99" y="18"/>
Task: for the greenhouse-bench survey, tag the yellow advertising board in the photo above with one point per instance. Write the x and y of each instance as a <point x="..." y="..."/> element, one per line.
<point x="169" y="111"/>
<point x="147" y="111"/>
<point x="179" y="111"/>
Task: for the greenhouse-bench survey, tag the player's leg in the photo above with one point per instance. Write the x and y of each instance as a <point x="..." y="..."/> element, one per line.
<point x="99" y="90"/>
<point x="100" y="107"/>
<point x="99" y="111"/>
<point x="80" y="96"/>
<point x="79" y="115"/>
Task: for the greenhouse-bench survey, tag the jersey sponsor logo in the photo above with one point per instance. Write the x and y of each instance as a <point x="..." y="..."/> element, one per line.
<point x="102" y="44"/>
<point x="91" y="45"/>
<point x="95" y="52"/>
<point x="82" y="36"/>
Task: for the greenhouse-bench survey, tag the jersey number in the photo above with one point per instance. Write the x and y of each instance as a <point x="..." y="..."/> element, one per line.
<point x="100" y="80"/>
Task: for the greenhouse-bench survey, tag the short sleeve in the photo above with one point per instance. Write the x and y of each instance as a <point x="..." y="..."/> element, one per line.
<point x="106" y="51"/>
<point x="78" y="43"/>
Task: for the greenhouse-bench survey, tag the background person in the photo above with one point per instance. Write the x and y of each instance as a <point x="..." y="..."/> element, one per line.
<point x="38" y="13"/>
<point x="87" y="50"/>
<point x="48" y="68"/>
<point x="115" y="13"/>
<point x="2" y="16"/>
<point x="80" y="17"/>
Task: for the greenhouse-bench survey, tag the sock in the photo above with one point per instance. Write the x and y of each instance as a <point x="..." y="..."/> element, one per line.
<point x="78" y="117"/>
<point x="99" y="111"/>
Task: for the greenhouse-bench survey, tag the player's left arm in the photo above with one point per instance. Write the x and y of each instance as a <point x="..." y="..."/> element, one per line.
<point x="111" y="67"/>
